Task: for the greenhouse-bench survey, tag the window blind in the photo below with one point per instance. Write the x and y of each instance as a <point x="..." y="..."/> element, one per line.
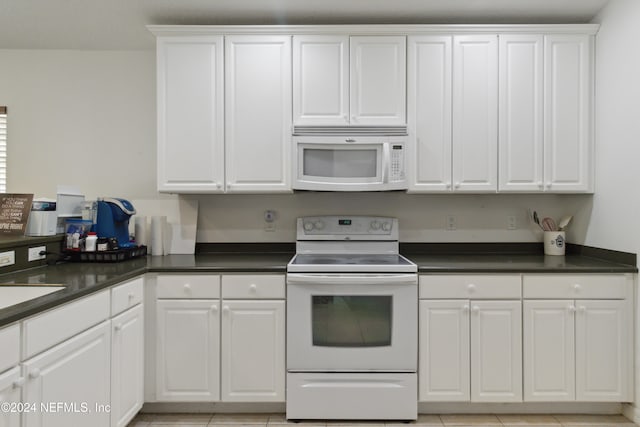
<point x="3" y="149"/>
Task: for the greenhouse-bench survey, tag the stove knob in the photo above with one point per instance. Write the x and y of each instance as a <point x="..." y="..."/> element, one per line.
<point x="319" y="225"/>
<point x="375" y="225"/>
<point x="386" y="226"/>
<point x="308" y="226"/>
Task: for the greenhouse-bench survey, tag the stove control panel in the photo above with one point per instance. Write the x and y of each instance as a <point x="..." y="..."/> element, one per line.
<point x="347" y="225"/>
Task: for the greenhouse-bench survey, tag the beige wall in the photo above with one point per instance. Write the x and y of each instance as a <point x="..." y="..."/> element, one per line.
<point x="80" y="117"/>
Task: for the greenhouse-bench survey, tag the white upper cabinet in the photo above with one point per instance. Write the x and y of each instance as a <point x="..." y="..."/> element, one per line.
<point x="190" y="114"/>
<point x="340" y="80"/>
<point x="258" y="113"/>
<point x="521" y="113"/>
<point x="475" y="110"/>
<point x="378" y="80"/>
<point x="429" y="113"/>
<point x="321" y="80"/>
<point x="568" y="128"/>
<point x="545" y="113"/>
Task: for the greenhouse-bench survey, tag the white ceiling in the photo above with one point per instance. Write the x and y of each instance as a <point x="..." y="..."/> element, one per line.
<point x="120" y="24"/>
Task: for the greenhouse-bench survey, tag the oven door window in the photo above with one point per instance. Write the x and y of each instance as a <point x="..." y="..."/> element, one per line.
<point x="352" y="320"/>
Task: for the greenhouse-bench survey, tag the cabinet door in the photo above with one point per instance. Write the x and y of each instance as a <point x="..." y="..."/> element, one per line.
<point x="444" y="350"/>
<point x="190" y="114"/>
<point x="549" y="352"/>
<point x="475" y="113"/>
<point x="378" y="80"/>
<point x="258" y="113"/>
<point x="188" y="340"/>
<point x="10" y="387"/>
<point x="74" y="373"/>
<point x="127" y="374"/>
<point x="520" y="113"/>
<point x="429" y="113"/>
<point x="253" y="351"/>
<point x="603" y="351"/>
<point x="320" y="80"/>
<point x="568" y="118"/>
<point x="496" y="351"/>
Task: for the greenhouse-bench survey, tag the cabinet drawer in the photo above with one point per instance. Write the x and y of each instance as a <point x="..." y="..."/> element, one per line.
<point x="253" y="286"/>
<point x="126" y="295"/>
<point x="188" y="286"/>
<point x="55" y="326"/>
<point x="601" y="286"/>
<point x="470" y="286"/>
<point x="10" y="345"/>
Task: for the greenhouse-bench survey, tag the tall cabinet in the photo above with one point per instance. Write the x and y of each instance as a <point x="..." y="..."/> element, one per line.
<point x="545" y="113"/>
<point x="190" y="114"/>
<point x="429" y="112"/>
<point x="452" y="103"/>
<point x="258" y="113"/>
<point x="224" y="113"/>
<point x="475" y="105"/>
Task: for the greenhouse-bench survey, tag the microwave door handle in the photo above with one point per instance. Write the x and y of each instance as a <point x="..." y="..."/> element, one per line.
<point x="386" y="162"/>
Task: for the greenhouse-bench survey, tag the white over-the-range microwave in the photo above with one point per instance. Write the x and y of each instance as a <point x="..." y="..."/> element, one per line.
<point x="349" y="162"/>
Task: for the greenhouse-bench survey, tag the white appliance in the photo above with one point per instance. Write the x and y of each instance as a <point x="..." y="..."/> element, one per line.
<point x="349" y="163"/>
<point x="352" y="320"/>
<point x="43" y="218"/>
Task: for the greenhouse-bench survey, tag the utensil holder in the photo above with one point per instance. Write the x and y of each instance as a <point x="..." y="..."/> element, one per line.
<point x="554" y="242"/>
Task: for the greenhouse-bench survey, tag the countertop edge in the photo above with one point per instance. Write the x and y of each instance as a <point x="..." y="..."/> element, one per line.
<point x="32" y="307"/>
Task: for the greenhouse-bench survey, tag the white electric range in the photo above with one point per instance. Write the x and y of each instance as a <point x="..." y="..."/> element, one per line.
<point x="352" y="316"/>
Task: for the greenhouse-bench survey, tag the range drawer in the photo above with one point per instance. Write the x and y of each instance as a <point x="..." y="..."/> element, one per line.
<point x="188" y="286"/>
<point x="126" y="295"/>
<point x="570" y="286"/>
<point x="499" y="286"/>
<point x="253" y="286"/>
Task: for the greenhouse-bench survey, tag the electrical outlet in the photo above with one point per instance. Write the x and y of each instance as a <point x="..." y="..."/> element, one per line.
<point x="34" y="253"/>
<point x="451" y="222"/>
<point x="512" y="224"/>
<point x="7" y="258"/>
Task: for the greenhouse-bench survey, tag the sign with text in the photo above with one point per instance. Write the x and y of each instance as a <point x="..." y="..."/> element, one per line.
<point x="14" y="213"/>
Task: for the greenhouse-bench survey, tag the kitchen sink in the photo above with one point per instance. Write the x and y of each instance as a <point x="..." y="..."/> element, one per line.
<point x="15" y="294"/>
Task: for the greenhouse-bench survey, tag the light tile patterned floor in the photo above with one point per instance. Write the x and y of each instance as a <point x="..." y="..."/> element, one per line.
<point x="275" y="420"/>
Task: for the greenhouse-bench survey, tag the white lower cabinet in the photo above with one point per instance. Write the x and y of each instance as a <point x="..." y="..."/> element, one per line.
<point x="444" y="369"/>
<point x="253" y="338"/>
<point x="253" y="349"/>
<point x="188" y="337"/>
<point x="470" y="349"/>
<point x="496" y="351"/>
<point x="71" y="381"/>
<point x="127" y="369"/>
<point x="10" y="389"/>
<point x="578" y="348"/>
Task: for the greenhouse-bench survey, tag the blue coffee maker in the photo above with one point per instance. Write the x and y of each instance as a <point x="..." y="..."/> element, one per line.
<point x="113" y="220"/>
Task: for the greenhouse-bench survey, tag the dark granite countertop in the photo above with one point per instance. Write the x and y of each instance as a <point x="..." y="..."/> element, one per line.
<point x="518" y="263"/>
<point x="84" y="278"/>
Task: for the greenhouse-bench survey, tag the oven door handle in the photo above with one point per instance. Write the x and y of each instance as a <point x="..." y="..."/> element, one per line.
<point x="351" y="279"/>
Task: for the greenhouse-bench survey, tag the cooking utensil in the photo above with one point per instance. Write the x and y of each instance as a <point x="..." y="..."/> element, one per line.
<point x="548" y="224"/>
<point x="564" y="222"/>
<point x="536" y="219"/>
